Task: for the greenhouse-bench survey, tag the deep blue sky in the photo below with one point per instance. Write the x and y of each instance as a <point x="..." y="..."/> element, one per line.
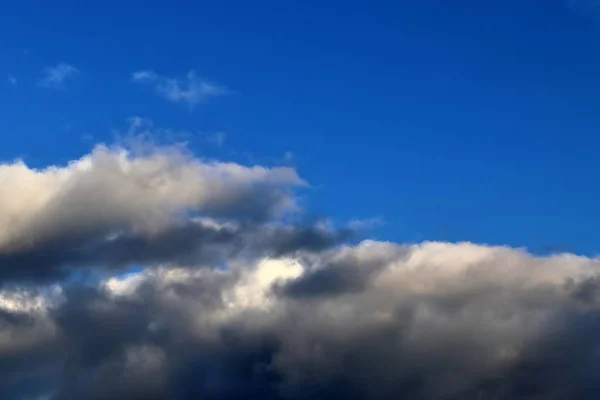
<point x="462" y="120"/>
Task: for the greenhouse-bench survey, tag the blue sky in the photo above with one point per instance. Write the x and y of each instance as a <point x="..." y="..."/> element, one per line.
<point x="468" y="121"/>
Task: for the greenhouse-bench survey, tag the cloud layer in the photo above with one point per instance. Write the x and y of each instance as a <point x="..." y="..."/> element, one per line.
<point x="231" y="300"/>
<point x="431" y="321"/>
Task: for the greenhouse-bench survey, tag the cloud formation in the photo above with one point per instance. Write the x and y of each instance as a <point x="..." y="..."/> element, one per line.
<point x="429" y="321"/>
<point x="55" y="77"/>
<point x="92" y="207"/>
<point x="191" y="90"/>
<point x="230" y="299"/>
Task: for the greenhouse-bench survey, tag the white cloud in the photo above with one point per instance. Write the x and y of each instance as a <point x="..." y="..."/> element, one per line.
<point x="191" y="90"/>
<point x="115" y="188"/>
<point x="55" y="77"/>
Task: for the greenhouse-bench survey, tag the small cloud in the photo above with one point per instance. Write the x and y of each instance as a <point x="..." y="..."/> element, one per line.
<point x="26" y="52"/>
<point x="66" y="128"/>
<point x="190" y="90"/>
<point x="141" y="131"/>
<point x="288" y="156"/>
<point x="137" y="122"/>
<point x="362" y="224"/>
<point x="217" y="138"/>
<point x="55" y="77"/>
<point x="12" y="80"/>
<point x="144" y="76"/>
<point x="87" y="137"/>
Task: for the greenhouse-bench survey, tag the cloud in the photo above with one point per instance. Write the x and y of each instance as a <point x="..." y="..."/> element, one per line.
<point x="288" y="156"/>
<point x="369" y="223"/>
<point x="191" y="90"/>
<point x="114" y="200"/>
<point x="12" y="80"/>
<point x="55" y="77"/>
<point x="143" y="272"/>
<point x="217" y="138"/>
<point x="430" y="321"/>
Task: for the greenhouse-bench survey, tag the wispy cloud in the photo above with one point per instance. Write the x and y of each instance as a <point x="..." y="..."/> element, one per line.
<point x="12" y="80"/>
<point x="288" y="156"/>
<point x="190" y="90"/>
<point x="55" y="77"/>
<point x="217" y="138"/>
<point x="365" y="224"/>
<point x="142" y="131"/>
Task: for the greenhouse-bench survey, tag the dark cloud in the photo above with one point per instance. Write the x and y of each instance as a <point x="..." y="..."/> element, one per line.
<point x="430" y="322"/>
<point x="340" y="272"/>
<point x="331" y="281"/>
<point x="192" y="243"/>
<point x="336" y="278"/>
<point x="586" y="291"/>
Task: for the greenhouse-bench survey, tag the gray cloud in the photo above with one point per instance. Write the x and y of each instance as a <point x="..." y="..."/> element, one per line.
<point x="430" y="321"/>
<point x="195" y="243"/>
<point x="345" y="271"/>
<point x="232" y="300"/>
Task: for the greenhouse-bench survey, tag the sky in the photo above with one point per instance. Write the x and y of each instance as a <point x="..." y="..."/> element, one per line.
<point x="283" y="200"/>
<point x="474" y="121"/>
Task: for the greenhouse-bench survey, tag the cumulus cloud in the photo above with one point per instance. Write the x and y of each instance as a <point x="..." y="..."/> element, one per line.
<point x="190" y="90"/>
<point x="114" y="200"/>
<point x="146" y="272"/>
<point x="429" y="321"/>
<point x="55" y="77"/>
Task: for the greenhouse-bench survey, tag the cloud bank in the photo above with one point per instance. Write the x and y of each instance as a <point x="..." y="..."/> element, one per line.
<point x="229" y="299"/>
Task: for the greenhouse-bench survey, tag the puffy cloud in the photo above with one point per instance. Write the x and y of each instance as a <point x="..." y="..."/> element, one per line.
<point x="429" y="321"/>
<point x="232" y="299"/>
<point x="114" y="204"/>
<point x="190" y="90"/>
